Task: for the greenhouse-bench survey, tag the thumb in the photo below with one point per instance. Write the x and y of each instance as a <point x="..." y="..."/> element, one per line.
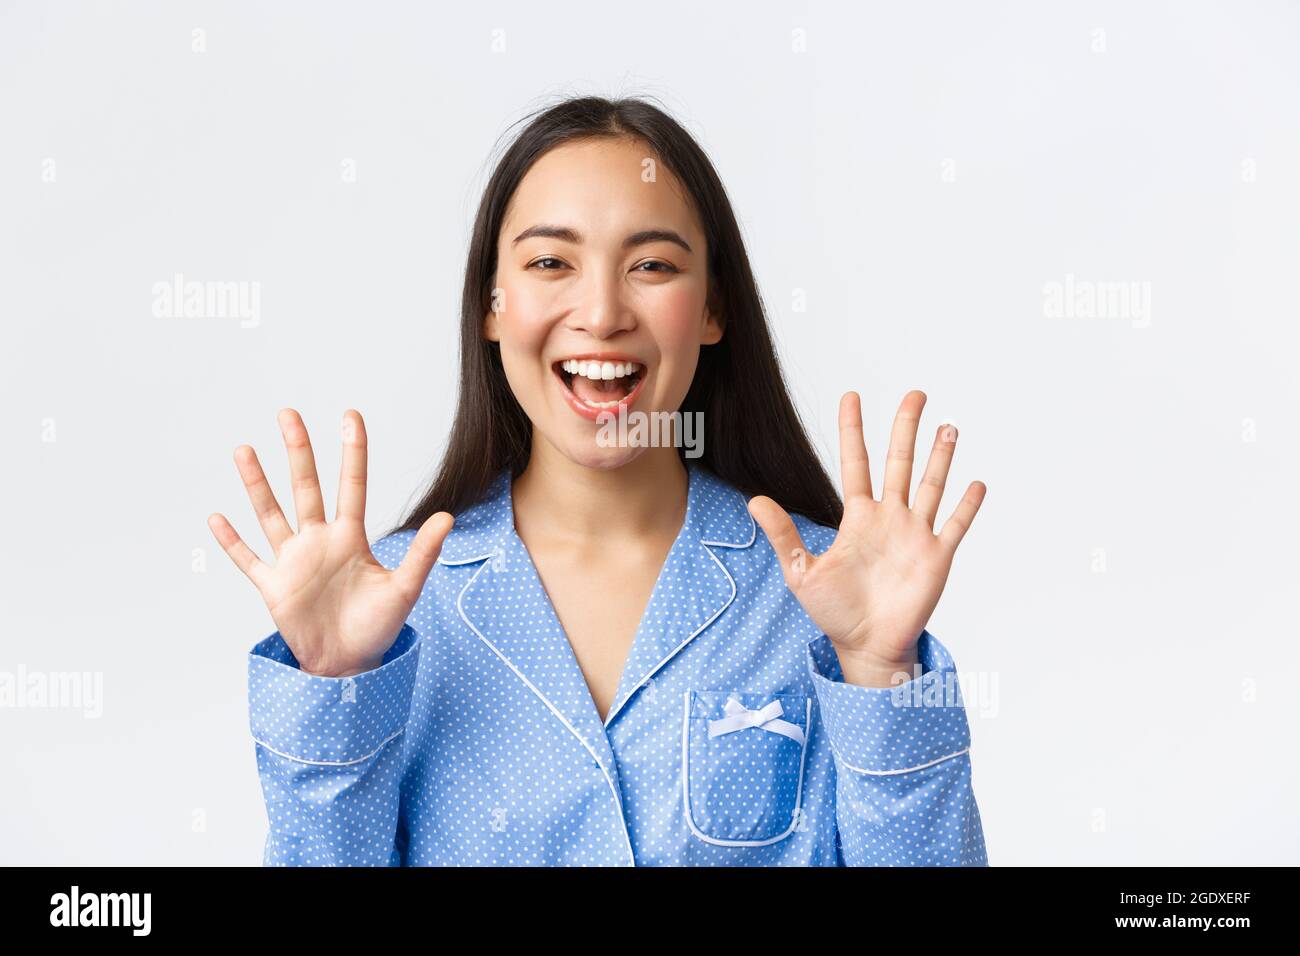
<point x="410" y="575"/>
<point x="786" y="541"/>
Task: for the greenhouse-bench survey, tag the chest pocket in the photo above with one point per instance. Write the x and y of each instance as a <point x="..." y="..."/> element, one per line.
<point x="742" y="765"/>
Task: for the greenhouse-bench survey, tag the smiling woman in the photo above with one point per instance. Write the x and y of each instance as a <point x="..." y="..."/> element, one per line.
<point x="605" y="229"/>
<point x="582" y="651"/>
<point x="601" y="290"/>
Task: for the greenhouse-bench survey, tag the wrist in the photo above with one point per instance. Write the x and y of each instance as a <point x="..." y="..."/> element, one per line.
<point x="868" y="669"/>
<point x="339" y="668"/>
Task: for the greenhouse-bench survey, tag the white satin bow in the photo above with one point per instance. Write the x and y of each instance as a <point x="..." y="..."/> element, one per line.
<point x="739" y="717"/>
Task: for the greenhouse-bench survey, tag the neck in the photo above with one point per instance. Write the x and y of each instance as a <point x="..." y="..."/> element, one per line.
<point x="560" y="500"/>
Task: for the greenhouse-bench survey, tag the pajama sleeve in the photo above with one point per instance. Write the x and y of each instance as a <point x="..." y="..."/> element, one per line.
<point x="903" y="793"/>
<point x="330" y="755"/>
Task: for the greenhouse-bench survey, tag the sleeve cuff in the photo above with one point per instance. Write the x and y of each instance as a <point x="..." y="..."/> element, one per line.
<point x="889" y="730"/>
<point x="329" y="720"/>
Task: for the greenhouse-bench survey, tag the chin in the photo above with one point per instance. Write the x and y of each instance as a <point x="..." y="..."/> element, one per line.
<point x="588" y="454"/>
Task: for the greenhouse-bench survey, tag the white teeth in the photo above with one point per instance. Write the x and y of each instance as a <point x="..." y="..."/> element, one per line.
<point x="599" y="370"/>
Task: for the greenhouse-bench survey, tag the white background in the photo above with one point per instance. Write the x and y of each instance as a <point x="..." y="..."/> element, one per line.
<point x="918" y="175"/>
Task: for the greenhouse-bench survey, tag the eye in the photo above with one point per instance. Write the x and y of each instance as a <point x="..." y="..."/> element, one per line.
<point x="537" y="262"/>
<point x="666" y="266"/>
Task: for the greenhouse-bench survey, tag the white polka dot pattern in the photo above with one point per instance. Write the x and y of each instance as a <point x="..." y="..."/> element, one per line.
<point x="742" y="787"/>
<point x="476" y="742"/>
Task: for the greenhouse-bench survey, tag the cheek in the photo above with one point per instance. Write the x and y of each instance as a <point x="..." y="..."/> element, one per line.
<point x="676" y="319"/>
<point x="522" y="323"/>
<point x="522" y="328"/>
<point x="679" y="310"/>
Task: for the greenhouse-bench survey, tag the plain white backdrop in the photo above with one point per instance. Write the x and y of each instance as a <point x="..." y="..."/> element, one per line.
<point x="917" y="184"/>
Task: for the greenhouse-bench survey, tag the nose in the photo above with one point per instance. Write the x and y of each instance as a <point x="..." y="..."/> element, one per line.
<point x="601" y="309"/>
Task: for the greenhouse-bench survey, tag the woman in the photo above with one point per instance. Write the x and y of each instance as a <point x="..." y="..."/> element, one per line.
<point x="603" y="661"/>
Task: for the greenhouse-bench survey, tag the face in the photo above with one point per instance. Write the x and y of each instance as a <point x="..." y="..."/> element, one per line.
<point x="600" y="294"/>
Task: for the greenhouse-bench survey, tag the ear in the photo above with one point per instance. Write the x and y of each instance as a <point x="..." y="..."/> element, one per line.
<point x="714" y="319"/>
<point x="491" y="320"/>
<point x="712" y="332"/>
<point x="491" y="329"/>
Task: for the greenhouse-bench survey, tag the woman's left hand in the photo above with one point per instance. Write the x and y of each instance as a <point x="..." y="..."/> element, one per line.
<point x="874" y="589"/>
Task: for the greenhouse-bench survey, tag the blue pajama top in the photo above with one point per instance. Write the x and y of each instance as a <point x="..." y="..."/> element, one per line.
<point x="733" y="739"/>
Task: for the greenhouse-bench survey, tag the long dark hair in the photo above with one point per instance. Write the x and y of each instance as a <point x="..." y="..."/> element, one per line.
<point x="753" y="437"/>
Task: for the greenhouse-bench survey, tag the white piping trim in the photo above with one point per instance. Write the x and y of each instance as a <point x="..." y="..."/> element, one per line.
<point x="452" y="562"/>
<point x="618" y="800"/>
<point x="753" y="528"/>
<point x="655" y="670"/>
<point x="889" y="773"/>
<point x="329" y="763"/>
<point x="686" y="782"/>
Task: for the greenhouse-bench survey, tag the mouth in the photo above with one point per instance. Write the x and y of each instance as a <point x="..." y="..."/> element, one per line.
<point x="599" y="383"/>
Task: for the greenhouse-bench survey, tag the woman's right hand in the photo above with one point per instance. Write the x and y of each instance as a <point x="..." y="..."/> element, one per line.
<point x="335" y="605"/>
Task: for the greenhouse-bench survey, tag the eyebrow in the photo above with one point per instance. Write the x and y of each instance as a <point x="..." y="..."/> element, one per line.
<point x="566" y="234"/>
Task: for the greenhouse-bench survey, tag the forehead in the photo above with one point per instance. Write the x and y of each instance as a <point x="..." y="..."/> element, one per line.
<point x="602" y="188"/>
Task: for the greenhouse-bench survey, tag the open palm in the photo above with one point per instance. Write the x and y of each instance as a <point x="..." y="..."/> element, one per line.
<point x="874" y="589"/>
<point x="336" y="606"/>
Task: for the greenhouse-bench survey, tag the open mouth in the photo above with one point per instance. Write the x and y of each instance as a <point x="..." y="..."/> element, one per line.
<point x="595" y="385"/>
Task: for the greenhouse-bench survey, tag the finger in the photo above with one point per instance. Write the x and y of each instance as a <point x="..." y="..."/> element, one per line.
<point x="784" y="536"/>
<point x="955" y="528"/>
<point x="239" y="552"/>
<point x="410" y="575"/>
<point x="930" y="491"/>
<point x="902" y="446"/>
<point x="307" y="503"/>
<point x="274" y="524"/>
<point x="352" y="476"/>
<point x="855" y="469"/>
